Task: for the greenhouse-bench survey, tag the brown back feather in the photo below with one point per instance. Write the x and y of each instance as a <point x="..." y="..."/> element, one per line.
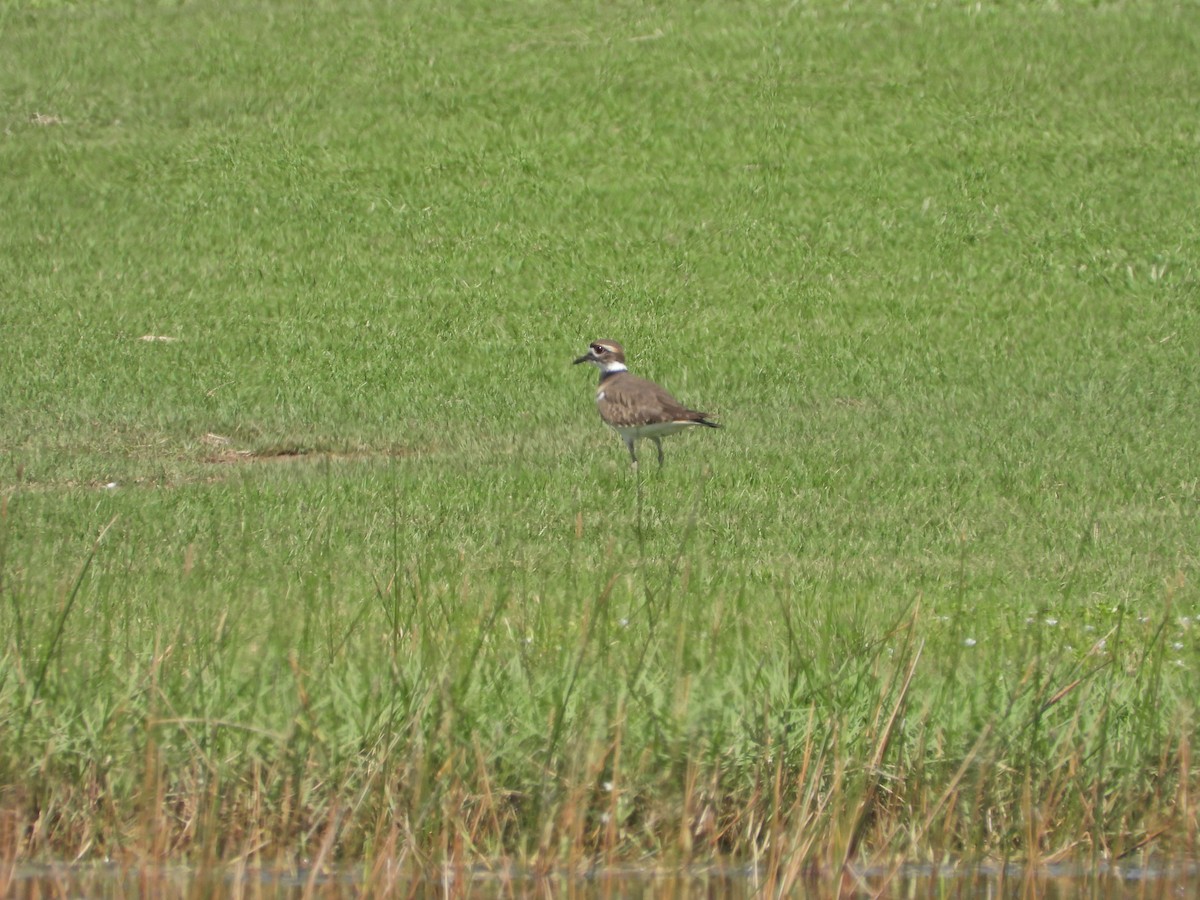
<point x="636" y="401"/>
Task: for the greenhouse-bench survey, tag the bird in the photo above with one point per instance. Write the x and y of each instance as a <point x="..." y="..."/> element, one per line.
<point x="634" y="407"/>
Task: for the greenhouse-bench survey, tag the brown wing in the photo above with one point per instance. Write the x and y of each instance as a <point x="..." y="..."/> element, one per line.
<point x="635" y="401"/>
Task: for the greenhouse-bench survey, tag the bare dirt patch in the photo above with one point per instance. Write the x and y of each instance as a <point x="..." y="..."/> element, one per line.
<point x="225" y="454"/>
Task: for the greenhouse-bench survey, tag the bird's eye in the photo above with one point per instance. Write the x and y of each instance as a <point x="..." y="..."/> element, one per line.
<point x="597" y="349"/>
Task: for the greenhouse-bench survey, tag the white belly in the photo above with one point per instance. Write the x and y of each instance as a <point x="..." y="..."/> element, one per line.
<point x="656" y="429"/>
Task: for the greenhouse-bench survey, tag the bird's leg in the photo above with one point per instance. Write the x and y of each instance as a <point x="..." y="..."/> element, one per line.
<point x="632" y="455"/>
<point x="658" y="444"/>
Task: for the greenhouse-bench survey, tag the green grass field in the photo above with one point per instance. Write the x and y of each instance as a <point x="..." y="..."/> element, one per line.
<point x="349" y="569"/>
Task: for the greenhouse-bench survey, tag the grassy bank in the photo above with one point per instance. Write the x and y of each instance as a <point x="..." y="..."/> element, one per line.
<point x="312" y="544"/>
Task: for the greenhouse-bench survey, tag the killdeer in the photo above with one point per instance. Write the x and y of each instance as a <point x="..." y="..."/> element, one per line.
<point x="635" y="407"/>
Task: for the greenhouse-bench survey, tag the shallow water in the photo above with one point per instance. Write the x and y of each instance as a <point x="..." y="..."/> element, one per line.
<point x="736" y="883"/>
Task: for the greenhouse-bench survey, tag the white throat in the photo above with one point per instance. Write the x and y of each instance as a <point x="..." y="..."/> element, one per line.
<point x="609" y="367"/>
